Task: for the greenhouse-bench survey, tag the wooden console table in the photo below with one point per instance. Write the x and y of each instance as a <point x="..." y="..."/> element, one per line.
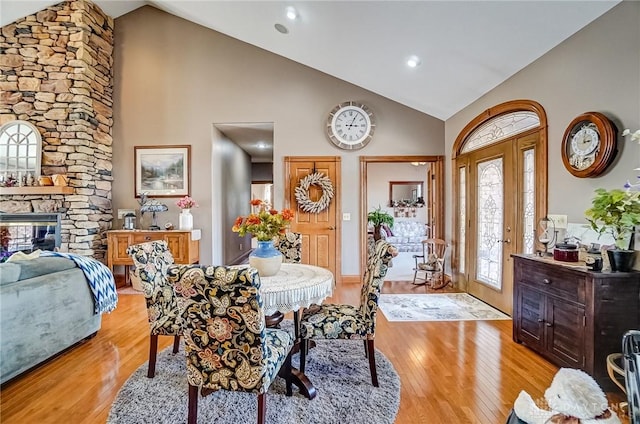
<point x="572" y="316"/>
<point x="184" y="245"/>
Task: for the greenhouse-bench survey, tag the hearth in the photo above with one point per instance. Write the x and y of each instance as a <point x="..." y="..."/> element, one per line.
<point x="27" y="232"/>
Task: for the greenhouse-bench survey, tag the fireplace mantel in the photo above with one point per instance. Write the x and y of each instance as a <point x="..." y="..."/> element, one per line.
<point x="36" y="190"/>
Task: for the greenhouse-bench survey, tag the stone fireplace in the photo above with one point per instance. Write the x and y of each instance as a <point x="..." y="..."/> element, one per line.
<point x="57" y="73"/>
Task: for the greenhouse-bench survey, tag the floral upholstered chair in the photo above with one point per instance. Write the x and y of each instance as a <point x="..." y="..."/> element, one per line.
<point x="290" y="245"/>
<point x="227" y="343"/>
<point x="151" y="260"/>
<point x="335" y="321"/>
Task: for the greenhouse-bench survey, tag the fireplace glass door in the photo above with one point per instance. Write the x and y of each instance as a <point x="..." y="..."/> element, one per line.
<point x="27" y="232"/>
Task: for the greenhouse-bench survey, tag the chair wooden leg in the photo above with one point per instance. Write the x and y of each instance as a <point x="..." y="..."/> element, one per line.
<point x="176" y="344"/>
<point x="262" y="407"/>
<point x="153" y="351"/>
<point x="372" y="362"/>
<point x="192" y="417"/>
<point x="366" y="349"/>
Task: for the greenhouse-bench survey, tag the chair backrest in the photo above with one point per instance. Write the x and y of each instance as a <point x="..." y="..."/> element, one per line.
<point x="290" y="245"/>
<point x="434" y="253"/>
<point x="225" y="331"/>
<point x="152" y="260"/>
<point x="379" y="256"/>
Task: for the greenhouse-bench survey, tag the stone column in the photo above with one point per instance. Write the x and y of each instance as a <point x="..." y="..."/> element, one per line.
<point x="57" y="73"/>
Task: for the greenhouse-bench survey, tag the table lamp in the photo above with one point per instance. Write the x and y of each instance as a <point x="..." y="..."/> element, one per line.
<point x="153" y="206"/>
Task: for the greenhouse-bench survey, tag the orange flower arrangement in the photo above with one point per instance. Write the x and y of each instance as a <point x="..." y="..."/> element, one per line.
<point x="264" y="224"/>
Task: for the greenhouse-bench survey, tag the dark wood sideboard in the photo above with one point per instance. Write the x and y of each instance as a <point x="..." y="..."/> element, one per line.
<point x="572" y="316"/>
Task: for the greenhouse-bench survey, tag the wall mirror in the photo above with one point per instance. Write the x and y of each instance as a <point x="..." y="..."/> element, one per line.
<point x="406" y="193"/>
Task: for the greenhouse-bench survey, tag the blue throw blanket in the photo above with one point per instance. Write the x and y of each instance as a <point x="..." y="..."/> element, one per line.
<point x="99" y="277"/>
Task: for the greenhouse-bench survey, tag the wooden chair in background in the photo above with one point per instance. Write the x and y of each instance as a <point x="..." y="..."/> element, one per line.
<point x="429" y="267"/>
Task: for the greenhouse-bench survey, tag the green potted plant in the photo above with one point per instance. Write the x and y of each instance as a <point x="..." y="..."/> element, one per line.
<point x="616" y="212"/>
<point x="378" y="218"/>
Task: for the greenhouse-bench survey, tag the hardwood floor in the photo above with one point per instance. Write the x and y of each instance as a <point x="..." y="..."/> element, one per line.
<point x="451" y="372"/>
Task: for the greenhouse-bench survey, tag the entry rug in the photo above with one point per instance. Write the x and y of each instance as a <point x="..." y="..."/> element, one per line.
<point x="437" y="307"/>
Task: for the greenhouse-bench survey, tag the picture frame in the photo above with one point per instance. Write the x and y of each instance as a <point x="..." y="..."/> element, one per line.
<point x="162" y="171"/>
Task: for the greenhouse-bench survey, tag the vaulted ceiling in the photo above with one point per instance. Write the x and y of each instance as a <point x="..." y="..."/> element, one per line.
<point x="466" y="48"/>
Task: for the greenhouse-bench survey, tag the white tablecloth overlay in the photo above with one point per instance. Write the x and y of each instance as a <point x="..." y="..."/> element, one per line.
<point x="295" y="286"/>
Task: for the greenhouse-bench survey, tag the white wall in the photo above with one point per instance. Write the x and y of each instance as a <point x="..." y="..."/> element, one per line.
<point x="174" y="79"/>
<point x="378" y="177"/>
<point x="597" y="69"/>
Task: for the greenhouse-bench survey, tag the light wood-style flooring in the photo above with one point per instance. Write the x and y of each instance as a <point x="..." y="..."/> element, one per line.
<point x="451" y="372"/>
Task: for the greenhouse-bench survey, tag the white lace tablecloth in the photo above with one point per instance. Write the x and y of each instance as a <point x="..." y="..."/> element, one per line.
<point x="295" y="286"/>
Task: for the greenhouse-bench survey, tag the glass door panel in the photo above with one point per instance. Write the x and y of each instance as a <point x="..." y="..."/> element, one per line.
<point x="490" y="219"/>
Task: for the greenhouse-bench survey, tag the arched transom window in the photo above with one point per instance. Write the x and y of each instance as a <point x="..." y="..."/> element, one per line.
<point x="500" y="128"/>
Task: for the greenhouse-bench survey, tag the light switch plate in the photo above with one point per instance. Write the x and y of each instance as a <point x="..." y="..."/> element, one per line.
<point x="560" y="221"/>
<point x="346" y="216"/>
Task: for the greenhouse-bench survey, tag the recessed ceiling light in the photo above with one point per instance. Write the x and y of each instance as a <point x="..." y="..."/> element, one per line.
<point x="292" y="13"/>
<point x="413" y="61"/>
<point x="261" y="145"/>
<point x="281" y="29"/>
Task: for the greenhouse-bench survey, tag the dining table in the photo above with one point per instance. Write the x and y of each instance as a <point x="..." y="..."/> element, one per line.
<point x="294" y="287"/>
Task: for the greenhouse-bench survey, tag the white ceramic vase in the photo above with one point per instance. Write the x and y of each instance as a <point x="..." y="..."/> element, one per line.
<point x="186" y="220"/>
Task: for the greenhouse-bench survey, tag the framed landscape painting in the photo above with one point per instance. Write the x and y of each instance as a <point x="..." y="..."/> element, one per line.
<point x="162" y="171"/>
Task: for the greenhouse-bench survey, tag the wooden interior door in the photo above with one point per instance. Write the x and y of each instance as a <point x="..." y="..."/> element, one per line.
<point x="320" y="231"/>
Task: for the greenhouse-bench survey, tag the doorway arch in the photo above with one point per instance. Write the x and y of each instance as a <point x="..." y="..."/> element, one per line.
<point x="500" y="192"/>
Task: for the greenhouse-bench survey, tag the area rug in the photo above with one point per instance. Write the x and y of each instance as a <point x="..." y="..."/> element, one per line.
<point x="437" y="307"/>
<point x="338" y="370"/>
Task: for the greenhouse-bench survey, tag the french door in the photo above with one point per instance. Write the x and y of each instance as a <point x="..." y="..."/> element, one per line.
<point x="500" y="196"/>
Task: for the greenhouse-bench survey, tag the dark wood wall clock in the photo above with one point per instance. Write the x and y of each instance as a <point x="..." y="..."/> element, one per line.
<point x="589" y="145"/>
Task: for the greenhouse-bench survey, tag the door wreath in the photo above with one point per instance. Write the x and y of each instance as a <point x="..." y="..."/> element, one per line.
<point x="302" y="192"/>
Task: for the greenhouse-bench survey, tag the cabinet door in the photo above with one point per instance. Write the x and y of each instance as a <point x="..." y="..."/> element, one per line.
<point x="120" y="243"/>
<point x="178" y="246"/>
<point x="565" y="325"/>
<point x="530" y="319"/>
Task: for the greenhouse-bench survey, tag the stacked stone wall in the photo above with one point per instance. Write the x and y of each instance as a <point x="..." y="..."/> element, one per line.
<point x="57" y="73"/>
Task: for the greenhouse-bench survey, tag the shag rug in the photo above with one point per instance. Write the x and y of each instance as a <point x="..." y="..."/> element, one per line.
<point x="437" y="307"/>
<point x="338" y="369"/>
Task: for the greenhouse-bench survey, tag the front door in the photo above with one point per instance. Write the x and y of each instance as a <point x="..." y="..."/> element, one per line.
<point x="500" y="193"/>
<point x="320" y="231"/>
<point x="491" y="230"/>
<point x="501" y="204"/>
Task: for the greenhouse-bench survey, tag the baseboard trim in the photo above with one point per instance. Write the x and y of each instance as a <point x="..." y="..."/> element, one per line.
<point x="351" y="279"/>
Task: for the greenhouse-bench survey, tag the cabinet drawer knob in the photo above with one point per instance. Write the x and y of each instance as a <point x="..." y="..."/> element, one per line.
<point x="540" y="320"/>
<point x="549" y="324"/>
<point x="147" y="238"/>
<point x="546" y="281"/>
